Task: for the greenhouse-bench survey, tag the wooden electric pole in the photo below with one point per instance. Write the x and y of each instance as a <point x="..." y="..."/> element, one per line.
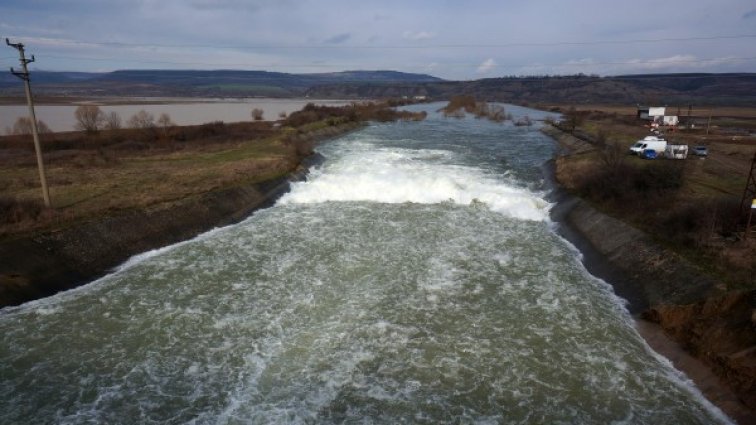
<point x="708" y="124"/>
<point x="749" y="196"/>
<point x="24" y="75"/>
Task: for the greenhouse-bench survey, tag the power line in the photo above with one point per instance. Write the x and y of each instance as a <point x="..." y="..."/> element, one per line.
<point x="446" y="63"/>
<point x="405" y="46"/>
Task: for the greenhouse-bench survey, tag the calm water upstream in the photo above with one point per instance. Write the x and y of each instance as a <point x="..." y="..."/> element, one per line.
<point x="187" y="111"/>
<point x="415" y="278"/>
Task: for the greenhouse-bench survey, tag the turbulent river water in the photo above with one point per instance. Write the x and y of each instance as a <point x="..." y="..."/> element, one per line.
<point x="415" y="277"/>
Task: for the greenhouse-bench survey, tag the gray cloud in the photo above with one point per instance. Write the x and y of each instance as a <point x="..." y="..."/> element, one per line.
<point x="223" y="5"/>
<point x="338" y="39"/>
<point x="513" y="36"/>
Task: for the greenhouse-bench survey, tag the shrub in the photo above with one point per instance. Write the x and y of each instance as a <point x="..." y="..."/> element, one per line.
<point x="211" y="129"/>
<point x="89" y="118"/>
<point x="14" y="211"/>
<point x="257" y="114"/>
<point x="621" y="184"/>
<point x="113" y="121"/>
<point x="697" y="224"/>
<point x="142" y="120"/>
<point x="23" y="126"/>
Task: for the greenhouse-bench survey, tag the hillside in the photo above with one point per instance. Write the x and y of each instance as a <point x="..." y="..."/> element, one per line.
<point x="197" y="83"/>
<point x="737" y="89"/>
<point x="670" y="89"/>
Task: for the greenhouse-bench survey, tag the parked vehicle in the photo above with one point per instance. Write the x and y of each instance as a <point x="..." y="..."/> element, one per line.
<point x="700" y="151"/>
<point x="656" y="143"/>
<point x="648" y="154"/>
<point x="676" y="151"/>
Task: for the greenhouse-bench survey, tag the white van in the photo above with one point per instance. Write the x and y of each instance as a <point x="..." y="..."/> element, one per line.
<point x="649" y="142"/>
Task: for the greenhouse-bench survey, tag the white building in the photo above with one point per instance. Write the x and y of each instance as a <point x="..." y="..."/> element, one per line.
<point x="657" y="115"/>
<point x="651" y="113"/>
<point x="670" y="120"/>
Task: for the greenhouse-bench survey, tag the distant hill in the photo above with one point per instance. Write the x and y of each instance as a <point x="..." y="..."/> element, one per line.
<point x="198" y="83"/>
<point x="669" y="89"/>
<point x="48" y="77"/>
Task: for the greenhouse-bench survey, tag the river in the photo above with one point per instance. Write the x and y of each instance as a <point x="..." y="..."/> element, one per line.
<point x="415" y="277"/>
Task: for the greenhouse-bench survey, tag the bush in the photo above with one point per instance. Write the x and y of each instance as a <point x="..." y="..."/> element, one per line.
<point x="23" y="126"/>
<point x="211" y="129"/>
<point x="695" y="225"/>
<point x="257" y="114"/>
<point x="621" y="184"/>
<point x="14" y="211"/>
<point x="89" y="118"/>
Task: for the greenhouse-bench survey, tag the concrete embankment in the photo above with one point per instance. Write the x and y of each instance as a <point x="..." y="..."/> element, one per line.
<point x="683" y="312"/>
<point x="42" y="264"/>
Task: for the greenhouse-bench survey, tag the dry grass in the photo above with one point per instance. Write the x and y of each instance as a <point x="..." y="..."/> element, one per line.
<point x="93" y="175"/>
<point x="86" y="185"/>
<point x="698" y="217"/>
<point x="630" y="110"/>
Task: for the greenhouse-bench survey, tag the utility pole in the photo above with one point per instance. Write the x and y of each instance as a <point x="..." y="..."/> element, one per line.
<point x="708" y="124"/>
<point x="24" y="75"/>
<point x="749" y="195"/>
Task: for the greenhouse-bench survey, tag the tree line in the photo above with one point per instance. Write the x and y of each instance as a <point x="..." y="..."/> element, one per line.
<point x="91" y="119"/>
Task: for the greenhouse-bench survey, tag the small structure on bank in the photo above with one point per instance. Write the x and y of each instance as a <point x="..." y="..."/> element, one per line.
<point x="657" y="115"/>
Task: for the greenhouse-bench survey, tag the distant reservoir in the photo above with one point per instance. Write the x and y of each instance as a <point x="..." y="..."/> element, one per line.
<point x="183" y="111"/>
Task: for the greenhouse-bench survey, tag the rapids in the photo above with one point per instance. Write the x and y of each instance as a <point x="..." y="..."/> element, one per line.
<point x="415" y="277"/>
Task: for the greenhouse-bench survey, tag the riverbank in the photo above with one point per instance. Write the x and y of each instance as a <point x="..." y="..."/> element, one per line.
<point x="42" y="263"/>
<point x="657" y="283"/>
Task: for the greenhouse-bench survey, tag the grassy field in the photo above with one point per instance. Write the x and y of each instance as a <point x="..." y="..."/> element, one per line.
<point x="94" y="174"/>
<point x="107" y="175"/>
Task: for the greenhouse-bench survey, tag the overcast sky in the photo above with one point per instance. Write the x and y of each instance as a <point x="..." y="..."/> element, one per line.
<point x="465" y="39"/>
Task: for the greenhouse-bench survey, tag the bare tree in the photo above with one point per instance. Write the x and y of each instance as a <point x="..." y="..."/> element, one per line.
<point x="142" y="119"/>
<point x="257" y="114"/>
<point x="112" y="121"/>
<point x="23" y="126"/>
<point x="89" y="118"/>
<point x="612" y="153"/>
<point x="574" y="118"/>
<point x="164" y="120"/>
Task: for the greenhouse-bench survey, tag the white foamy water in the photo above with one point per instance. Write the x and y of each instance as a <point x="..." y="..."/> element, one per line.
<point x="339" y="306"/>
<point x="395" y="175"/>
